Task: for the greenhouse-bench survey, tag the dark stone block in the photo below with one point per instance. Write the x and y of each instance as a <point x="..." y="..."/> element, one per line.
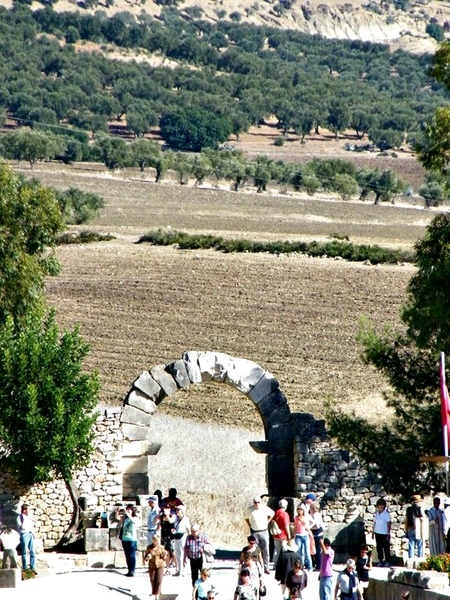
<point x="272" y="401"/>
<point x="282" y="414"/>
<point x="280" y="475"/>
<point x="280" y="439"/>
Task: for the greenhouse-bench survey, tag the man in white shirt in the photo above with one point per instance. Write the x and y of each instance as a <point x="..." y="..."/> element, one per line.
<point x="25" y="528"/>
<point x="348" y="583"/>
<point x="258" y="518"/>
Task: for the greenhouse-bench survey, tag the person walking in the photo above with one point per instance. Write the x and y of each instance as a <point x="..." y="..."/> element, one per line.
<point x="363" y="566"/>
<point x="25" y="527"/>
<point x="297" y="579"/>
<point x="156" y="557"/>
<point x="193" y="550"/>
<point x="326" y="569"/>
<point x="285" y="563"/>
<point x="258" y="518"/>
<point x="347" y="583"/>
<point x="254" y="550"/>
<point x="382" y="532"/>
<point x="317" y="529"/>
<point x="416" y="526"/>
<point x="129" y="538"/>
<point x="180" y="532"/>
<point x="436" y="525"/>
<point x="281" y="518"/>
<point x="202" y="586"/>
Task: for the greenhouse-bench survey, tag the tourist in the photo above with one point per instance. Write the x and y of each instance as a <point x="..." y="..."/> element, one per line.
<point x="347" y="583"/>
<point x="254" y="550"/>
<point x="302" y="536"/>
<point x="156" y="556"/>
<point x="152" y="518"/>
<point x="281" y="532"/>
<point x="416" y="526"/>
<point x="180" y="532"/>
<point x="202" y="585"/>
<point x="447" y="523"/>
<point x="254" y="568"/>
<point x="309" y="500"/>
<point x="129" y="538"/>
<point x="167" y="521"/>
<point x="257" y="518"/>
<point x="244" y="590"/>
<point x="326" y="569"/>
<point x="382" y="532"/>
<point x="363" y="566"/>
<point x="436" y="525"/>
<point x="171" y="501"/>
<point x="285" y="563"/>
<point x="194" y="549"/>
<point x="297" y="578"/>
<point x="25" y="527"/>
<point x="317" y="527"/>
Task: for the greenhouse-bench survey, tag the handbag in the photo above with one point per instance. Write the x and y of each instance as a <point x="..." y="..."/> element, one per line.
<point x="273" y="528"/>
<point x="262" y="589"/>
<point x="177" y="535"/>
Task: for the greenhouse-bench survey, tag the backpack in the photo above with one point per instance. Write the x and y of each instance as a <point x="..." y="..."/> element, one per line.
<point x="273" y="528"/>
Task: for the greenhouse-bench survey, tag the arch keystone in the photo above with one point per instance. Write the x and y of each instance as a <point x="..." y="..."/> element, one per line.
<point x="213" y="366"/>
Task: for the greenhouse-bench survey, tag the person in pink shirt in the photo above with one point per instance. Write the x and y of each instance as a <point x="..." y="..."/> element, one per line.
<point x="326" y="570"/>
<point x="302" y="535"/>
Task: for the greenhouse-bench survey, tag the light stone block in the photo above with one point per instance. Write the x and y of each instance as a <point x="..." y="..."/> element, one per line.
<point x="243" y="374"/>
<point x="146" y="384"/>
<point x="134" y="432"/>
<point x="10" y="578"/>
<point x="192" y="368"/>
<point x="134" y="416"/>
<point x="164" y="379"/>
<point x="137" y="400"/>
<point x="96" y="540"/>
<point x="134" y="448"/>
<point x="179" y="372"/>
<point x="213" y="366"/>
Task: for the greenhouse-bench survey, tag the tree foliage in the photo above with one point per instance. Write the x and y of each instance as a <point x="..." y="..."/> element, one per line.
<point x="47" y="401"/>
<point x="30" y="220"/>
<point x="409" y="359"/>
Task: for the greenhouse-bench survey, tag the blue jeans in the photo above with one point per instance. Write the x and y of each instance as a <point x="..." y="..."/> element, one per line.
<point x="302" y="542"/>
<point x="27" y="545"/>
<point x="325" y="588"/>
<point x="130" y="548"/>
<point x="414" y="544"/>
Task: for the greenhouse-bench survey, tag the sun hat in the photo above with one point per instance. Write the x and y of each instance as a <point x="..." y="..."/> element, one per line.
<point x="311" y="496"/>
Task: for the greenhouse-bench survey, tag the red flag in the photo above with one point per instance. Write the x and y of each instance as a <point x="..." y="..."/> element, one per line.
<point x="445" y="406"/>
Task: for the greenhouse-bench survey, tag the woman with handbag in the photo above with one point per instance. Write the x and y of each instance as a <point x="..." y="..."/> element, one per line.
<point x="156" y="557"/>
<point x="180" y="532"/>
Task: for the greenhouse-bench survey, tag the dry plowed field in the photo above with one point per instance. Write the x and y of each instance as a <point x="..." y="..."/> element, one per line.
<point x="140" y="305"/>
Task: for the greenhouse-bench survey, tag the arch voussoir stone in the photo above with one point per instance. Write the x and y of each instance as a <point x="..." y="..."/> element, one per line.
<point x="165" y="380"/>
<point x="193" y="370"/>
<point x="243" y="374"/>
<point x="179" y="373"/>
<point x="213" y="366"/>
<point x="148" y="386"/>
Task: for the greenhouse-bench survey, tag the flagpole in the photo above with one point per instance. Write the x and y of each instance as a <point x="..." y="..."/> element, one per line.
<point x="444" y="395"/>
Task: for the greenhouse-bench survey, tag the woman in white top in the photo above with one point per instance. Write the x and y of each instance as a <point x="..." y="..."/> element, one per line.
<point x="316" y="528"/>
<point x="382" y="532"/>
<point x="182" y="527"/>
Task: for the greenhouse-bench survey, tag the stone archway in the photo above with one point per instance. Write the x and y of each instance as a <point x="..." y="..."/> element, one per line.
<point x="258" y="384"/>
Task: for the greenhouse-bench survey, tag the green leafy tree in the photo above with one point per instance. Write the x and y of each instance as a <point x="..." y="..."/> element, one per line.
<point x="48" y="402"/>
<point x="30" y="221"/>
<point x="30" y="145"/>
<point x="145" y="153"/>
<point x="338" y="118"/>
<point x="194" y="129"/>
<point x="114" y="152"/>
<point x="433" y="193"/>
<point x="78" y="207"/>
<point x="409" y="359"/>
<point x="434" y="147"/>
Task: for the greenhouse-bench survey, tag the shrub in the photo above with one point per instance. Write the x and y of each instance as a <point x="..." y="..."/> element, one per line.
<point x="279" y="141"/>
<point x="83" y="237"/>
<point x="439" y="563"/>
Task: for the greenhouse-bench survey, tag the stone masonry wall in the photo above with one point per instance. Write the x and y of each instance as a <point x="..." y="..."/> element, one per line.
<point x="347" y="493"/>
<point x="100" y="484"/>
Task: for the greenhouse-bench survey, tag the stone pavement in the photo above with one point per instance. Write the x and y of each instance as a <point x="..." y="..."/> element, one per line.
<point x="111" y="584"/>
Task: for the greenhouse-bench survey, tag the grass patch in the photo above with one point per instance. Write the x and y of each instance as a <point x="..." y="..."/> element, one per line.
<point x="336" y="248"/>
<point x="83" y="237"/>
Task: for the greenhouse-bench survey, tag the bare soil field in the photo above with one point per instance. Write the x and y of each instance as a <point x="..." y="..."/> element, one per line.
<point x="139" y="305"/>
